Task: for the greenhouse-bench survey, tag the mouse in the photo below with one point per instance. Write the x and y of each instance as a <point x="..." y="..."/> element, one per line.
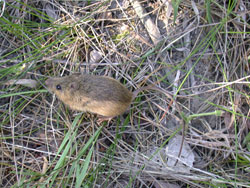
<point x="100" y="95"/>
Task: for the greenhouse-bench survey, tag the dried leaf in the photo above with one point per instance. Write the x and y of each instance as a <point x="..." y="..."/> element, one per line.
<point x="186" y="159"/>
<point x="25" y="82"/>
<point x="95" y="56"/>
<point x="51" y="12"/>
<point x="152" y="29"/>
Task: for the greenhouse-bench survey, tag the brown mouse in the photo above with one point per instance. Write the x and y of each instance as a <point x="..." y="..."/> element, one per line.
<point x="97" y="94"/>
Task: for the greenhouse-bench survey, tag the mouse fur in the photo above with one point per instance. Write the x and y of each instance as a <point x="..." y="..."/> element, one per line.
<point x="97" y="94"/>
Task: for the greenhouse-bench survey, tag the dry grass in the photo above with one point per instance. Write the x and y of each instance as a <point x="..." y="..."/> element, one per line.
<point x="201" y="60"/>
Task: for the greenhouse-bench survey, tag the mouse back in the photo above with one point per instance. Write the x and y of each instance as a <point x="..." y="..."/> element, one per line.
<point x="103" y="88"/>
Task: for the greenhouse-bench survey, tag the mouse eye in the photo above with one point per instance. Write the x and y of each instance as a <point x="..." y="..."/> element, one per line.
<point x="58" y="87"/>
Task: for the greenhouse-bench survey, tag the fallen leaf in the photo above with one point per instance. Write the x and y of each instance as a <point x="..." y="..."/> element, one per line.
<point x="186" y="160"/>
<point x="25" y="82"/>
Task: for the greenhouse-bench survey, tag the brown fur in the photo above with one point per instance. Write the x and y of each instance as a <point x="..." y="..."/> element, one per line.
<point x="97" y="94"/>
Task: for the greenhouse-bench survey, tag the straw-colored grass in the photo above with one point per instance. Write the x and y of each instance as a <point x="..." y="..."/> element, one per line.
<point x="197" y="52"/>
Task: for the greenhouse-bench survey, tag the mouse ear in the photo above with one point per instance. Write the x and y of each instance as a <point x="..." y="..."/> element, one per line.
<point x="74" y="85"/>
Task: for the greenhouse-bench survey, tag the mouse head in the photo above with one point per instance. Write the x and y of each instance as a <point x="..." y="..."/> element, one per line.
<point x="63" y="87"/>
